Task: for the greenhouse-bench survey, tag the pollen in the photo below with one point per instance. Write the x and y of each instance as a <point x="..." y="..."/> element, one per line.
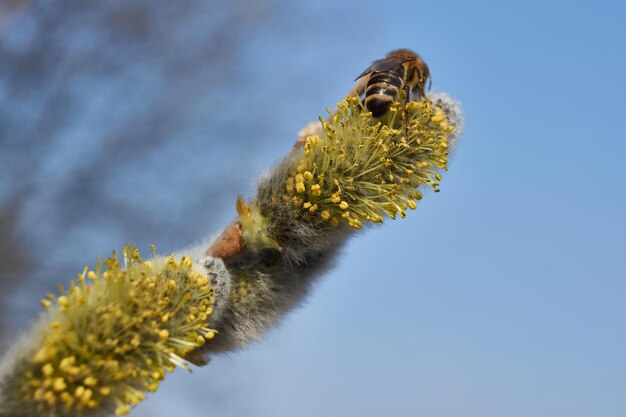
<point x="122" y="410"/>
<point x="90" y="381"/>
<point x="59" y="384"/>
<point x="356" y="223"/>
<point x="47" y="370"/>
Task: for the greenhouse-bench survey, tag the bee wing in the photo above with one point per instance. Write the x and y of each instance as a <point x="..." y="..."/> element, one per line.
<point x="385" y="64"/>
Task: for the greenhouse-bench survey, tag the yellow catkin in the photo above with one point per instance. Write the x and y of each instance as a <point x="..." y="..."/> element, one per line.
<point x="362" y="169"/>
<point x="115" y="335"/>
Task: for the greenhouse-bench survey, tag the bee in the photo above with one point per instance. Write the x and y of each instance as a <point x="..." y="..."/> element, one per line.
<point x="400" y="69"/>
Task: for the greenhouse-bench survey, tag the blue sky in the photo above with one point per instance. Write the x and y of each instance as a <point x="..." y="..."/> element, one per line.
<point x="504" y="294"/>
<point x="501" y="296"/>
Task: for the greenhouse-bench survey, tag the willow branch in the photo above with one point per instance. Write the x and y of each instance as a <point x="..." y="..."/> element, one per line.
<point x="231" y="243"/>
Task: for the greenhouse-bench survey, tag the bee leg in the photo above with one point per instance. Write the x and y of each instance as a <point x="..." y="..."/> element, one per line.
<point x="359" y="86"/>
<point x="420" y="89"/>
<point x="405" y="116"/>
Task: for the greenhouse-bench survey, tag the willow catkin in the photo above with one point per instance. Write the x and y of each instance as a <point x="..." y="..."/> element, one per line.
<point x="110" y="337"/>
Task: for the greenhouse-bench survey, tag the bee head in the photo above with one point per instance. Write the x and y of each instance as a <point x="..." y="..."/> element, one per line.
<point x="402" y="53"/>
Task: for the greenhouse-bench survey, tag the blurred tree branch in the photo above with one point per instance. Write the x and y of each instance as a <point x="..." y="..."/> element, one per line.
<point x="99" y="96"/>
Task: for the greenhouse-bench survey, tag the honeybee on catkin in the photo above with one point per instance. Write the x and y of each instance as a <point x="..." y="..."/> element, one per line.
<point x="400" y="69"/>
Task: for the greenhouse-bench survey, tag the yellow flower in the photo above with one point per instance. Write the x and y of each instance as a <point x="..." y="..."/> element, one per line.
<point x="365" y="168"/>
<point x="113" y="334"/>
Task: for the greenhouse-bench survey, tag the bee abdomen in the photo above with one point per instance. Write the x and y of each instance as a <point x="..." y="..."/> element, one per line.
<point x="378" y="99"/>
<point x="381" y="91"/>
<point x="389" y="78"/>
<point x="378" y="104"/>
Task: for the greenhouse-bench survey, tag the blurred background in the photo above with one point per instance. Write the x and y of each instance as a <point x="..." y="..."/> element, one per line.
<point x="501" y="296"/>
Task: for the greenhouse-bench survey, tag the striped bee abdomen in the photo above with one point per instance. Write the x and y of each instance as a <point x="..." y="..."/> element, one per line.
<point x="383" y="88"/>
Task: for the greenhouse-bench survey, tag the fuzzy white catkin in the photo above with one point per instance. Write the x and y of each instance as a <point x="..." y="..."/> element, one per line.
<point x="278" y="282"/>
<point x="218" y="275"/>
<point x="454" y="115"/>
